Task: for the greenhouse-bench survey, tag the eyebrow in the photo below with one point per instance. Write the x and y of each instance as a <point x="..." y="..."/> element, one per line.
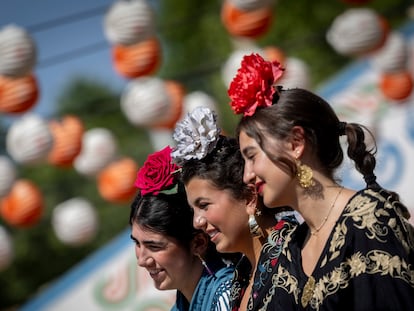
<point x="148" y="242"/>
<point x="247" y="149"/>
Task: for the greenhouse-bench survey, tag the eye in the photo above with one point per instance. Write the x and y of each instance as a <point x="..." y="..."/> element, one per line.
<point x="203" y="205"/>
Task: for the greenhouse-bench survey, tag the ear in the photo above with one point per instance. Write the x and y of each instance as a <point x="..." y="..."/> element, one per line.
<point x="297" y="142"/>
<point x="199" y="243"/>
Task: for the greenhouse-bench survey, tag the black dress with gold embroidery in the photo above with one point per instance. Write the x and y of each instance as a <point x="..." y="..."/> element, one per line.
<point x="367" y="263"/>
<point x="262" y="290"/>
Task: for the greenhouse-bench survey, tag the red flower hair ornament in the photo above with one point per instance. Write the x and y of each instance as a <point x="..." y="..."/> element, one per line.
<point x="158" y="174"/>
<point x="253" y="85"/>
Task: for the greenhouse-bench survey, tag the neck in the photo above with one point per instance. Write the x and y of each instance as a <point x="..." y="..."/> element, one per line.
<point x="190" y="285"/>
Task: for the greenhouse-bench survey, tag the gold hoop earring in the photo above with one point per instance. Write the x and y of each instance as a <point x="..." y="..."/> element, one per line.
<point x="254" y="227"/>
<point x="305" y="175"/>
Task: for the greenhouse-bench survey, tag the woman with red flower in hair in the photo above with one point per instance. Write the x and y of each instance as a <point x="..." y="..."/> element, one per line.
<point x="229" y="210"/>
<point x="355" y="249"/>
<point x="176" y="255"/>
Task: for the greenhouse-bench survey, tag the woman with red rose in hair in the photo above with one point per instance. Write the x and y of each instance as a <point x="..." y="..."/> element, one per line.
<point x="355" y="249"/>
<point x="176" y="255"/>
<point x="228" y="210"/>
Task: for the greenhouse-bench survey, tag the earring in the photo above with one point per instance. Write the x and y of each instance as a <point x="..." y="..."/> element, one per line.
<point x="205" y="265"/>
<point x="254" y="227"/>
<point x="304" y="174"/>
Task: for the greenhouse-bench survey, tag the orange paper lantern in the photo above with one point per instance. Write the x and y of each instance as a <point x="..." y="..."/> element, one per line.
<point x="273" y="53"/>
<point x="67" y="140"/>
<point x="18" y="95"/>
<point x="176" y="92"/>
<point x="396" y="86"/>
<point x="116" y="181"/>
<point x="23" y="206"/>
<point x="250" y="24"/>
<point x="140" y="59"/>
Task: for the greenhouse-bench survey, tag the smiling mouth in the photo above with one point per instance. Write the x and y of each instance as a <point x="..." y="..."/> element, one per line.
<point x="154" y="272"/>
<point x="212" y="234"/>
<point x="259" y="187"/>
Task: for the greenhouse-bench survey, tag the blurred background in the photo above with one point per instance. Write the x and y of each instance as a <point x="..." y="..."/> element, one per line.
<point x="89" y="88"/>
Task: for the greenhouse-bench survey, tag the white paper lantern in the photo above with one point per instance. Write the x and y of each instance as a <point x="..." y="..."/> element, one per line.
<point x="145" y="102"/>
<point x="249" y="5"/>
<point x="6" y="249"/>
<point x="160" y="138"/>
<point x="29" y="140"/>
<point x="129" y="22"/>
<point x="233" y="62"/>
<point x="8" y="175"/>
<point x="17" y="52"/>
<point x="296" y="74"/>
<point x="393" y="56"/>
<point x="99" y="147"/>
<point x="198" y="99"/>
<point x="356" y="31"/>
<point x="75" y="221"/>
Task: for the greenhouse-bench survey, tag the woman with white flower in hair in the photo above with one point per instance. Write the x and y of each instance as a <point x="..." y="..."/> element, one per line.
<point x="228" y="210"/>
<point x="355" y="249"/>
<point x="175" y="254"/>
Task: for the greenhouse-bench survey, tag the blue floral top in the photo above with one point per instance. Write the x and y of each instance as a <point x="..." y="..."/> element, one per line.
<point x="212" y="292"/>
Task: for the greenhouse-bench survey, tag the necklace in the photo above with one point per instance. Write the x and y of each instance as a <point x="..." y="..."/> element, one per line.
<point x="316" y="231"/>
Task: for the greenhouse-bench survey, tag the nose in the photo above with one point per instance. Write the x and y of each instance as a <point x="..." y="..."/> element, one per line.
<point x="143" y="258"/>
<point x="199" y="222"/>
<point x="248" y="175"/>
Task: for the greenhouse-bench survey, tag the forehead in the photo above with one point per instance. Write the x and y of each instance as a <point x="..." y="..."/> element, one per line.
<point x="143" y="234"/>
<point x="199" y="187"/>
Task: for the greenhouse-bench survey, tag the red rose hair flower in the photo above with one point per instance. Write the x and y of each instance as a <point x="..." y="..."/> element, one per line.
<point x="158" y="173"/>
<point x="253" y="85"/>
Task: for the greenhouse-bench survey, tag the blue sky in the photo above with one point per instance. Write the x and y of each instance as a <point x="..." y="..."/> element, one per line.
<point x="70" y="42"/>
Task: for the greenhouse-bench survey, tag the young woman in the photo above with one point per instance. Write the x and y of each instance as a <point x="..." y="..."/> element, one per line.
<point x="228" y="210"/>
<point x="354" y="250"/>
<point x="176" y="255"/>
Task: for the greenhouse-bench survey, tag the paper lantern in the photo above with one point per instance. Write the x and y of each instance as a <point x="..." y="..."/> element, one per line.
<point x="396" y="86"/>
<point x="17" y="52"/>
<point x="23" y="205"/>
<point x="250" y="24"/>
<point x="7" y="175"/>
<point x="160" y="138"/>
<point x="29" y="140"/>
<point x="146" y="102"/>
<point x="176" y="92"/>
<point x="129" y="21"/>
<point x="357" y="31"/>
<point x="99" y="148"/>
<point x="75" y="221"/>
<point x="116" y="181"/>
<point x="273" y="53"/>
<point x="6" y="249"/>
<point x="392" y="56"/>
<point x="18" y="95"/>
<point x="248" y="5"/>
<point x="67" y="140"/>
<point x="198" y="99"/>
<point x="232" y="64"/>
<point x="140" y="59"/>
<point x="296" y="74"/>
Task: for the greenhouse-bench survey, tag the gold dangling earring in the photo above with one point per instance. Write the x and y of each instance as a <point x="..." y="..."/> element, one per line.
<point x="254" y="227"/>
<point x="304" y="174"/>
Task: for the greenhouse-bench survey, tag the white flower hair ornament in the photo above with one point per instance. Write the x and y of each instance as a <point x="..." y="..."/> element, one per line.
<point x="196" y="135"/>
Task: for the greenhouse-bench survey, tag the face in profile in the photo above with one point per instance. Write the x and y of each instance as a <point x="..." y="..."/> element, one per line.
<point x="167" y="262"/>
<point x="219" y="214"/>
<point x="271" y="182"/>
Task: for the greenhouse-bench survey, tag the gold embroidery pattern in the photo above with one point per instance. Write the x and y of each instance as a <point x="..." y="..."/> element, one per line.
<point x="375" y="262"/>
<point x="365" y="210"/>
